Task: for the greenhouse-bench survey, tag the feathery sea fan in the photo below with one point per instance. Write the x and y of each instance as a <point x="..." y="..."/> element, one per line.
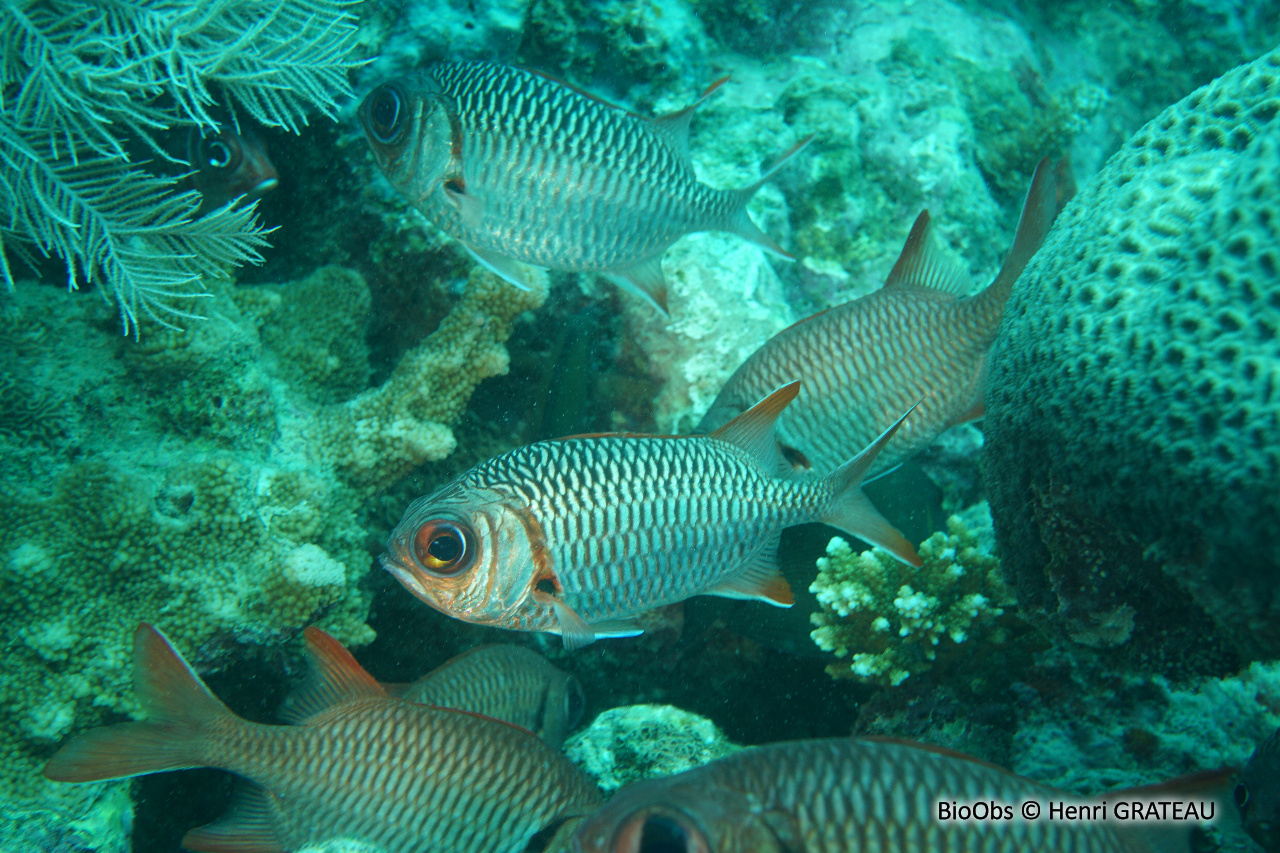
<point x="83" y="84"/>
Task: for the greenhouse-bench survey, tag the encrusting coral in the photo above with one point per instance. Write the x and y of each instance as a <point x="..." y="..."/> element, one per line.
<point x="891" y="620"/>
<point x="200" y="485"/>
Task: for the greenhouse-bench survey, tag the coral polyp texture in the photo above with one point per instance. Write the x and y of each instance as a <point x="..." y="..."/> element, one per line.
<point x="213" y="481"/>
<point x="887" y="621"/>
<point x="1133" y="413"/>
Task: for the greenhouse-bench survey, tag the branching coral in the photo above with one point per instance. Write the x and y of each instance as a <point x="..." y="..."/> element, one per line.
<point x="896" y="620"/>
<point x="84" y="84"/>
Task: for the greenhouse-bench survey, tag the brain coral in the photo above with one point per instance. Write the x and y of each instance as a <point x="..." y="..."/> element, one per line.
<point x="1133" y="414"/>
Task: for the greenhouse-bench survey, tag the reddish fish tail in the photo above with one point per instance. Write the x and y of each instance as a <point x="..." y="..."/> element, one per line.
<point x="179" y="709"/>
<point x="854" y="512"/>
<point x="1052" y="186"/>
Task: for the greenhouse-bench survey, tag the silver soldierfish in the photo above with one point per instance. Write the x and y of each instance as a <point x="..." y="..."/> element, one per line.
<point x="359" y="765"/>
<point x="915" y="339"/>
<point x="518" y="167"/>
<point x="506" y="682"/>
<point x="848" y="796"/>
<point x="570" y="536"/>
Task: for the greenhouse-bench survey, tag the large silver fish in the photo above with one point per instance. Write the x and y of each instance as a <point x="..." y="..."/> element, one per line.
<point x="851" y="796"/>
<point x="518" y="167"/>
<point x="359" y="765"/>
<point x="914" y="340"/>
<point x="506" y="682"/>
<point x="575" y="535"/>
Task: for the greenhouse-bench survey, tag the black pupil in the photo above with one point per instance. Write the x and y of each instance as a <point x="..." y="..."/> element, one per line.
<point x="1242" y="796"/>
<point x="446" y="547"/>
<point x="218" y="153"/>
<point x="386" y="110"/>
<point x="663" y="835"/>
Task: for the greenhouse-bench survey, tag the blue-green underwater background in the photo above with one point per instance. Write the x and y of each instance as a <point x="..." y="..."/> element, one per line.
<point x="232" y="477"/>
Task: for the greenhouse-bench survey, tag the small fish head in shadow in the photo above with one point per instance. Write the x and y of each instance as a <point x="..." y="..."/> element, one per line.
<point x="414" y="137"/>
<point x="470" y="555"/>
<point x="228" y="165"/>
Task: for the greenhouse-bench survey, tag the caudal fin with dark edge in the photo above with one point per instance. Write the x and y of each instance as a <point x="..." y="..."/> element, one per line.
<point x="854" y="512"/>
<point x="178" y="708"/>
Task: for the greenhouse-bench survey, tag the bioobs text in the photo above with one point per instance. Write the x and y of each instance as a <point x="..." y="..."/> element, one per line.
<point x="981" y="810"/>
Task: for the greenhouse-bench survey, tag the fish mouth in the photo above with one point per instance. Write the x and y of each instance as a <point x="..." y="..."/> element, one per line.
<point x="406" y="575"/>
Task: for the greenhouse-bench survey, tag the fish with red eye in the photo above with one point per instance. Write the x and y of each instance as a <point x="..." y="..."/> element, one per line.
<point x="443" y="547"/>
<point x="578" y="536"/>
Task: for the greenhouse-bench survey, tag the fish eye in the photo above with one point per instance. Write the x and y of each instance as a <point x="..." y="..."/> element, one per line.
<point x="442" y="547"/>
<point x="384" y="113"/>
<point x="217" y="154"/>
<point x="1242" y="795"/>
<point x="661" y="834"/>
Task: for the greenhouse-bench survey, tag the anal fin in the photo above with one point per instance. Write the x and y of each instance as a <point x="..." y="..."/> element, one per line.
<point x="508" y="269"/>
<point x="248" y="826"/>
<point x="759" y="580"/>
<point x="645" y="280"/>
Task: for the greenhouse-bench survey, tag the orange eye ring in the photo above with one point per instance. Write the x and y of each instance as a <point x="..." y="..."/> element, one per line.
<point x="443" y="547"/>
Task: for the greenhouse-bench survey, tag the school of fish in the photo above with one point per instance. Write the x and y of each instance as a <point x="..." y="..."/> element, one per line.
<point x="582" y="536"/>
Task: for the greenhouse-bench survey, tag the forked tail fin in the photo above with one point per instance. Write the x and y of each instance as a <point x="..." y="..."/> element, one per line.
<point x="1052" y="186"/>
<point x="855" y="514"/>
<point x="178" y="707"/>
<point x="740" y="223"/>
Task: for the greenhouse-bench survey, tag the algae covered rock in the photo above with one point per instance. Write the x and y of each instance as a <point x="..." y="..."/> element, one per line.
<point x="635" y="742"/>
<point x="200" y="482"/>
<point x="1133" y="413"/>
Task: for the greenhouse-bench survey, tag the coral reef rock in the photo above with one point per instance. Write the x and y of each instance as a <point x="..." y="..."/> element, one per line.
<point x="635" y="742"/>
<point x="214" y="481"/>
<point x="1133" y="414"/>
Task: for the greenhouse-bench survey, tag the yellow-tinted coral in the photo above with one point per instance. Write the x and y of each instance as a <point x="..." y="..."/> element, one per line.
<point x="380" y="435"/>
<point x="892" y="620"/>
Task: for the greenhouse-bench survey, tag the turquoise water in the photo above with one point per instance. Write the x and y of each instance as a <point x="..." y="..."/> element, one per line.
<point x="232" y="466"/>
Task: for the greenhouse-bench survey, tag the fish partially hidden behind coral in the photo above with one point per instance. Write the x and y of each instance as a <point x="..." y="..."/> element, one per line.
<point x="574" y="536"/>
<point x="228" y="165"/>
<point x="518" y="167"/>
<point x="1257" y="794"/>
<point x="915" y="339"/>
<point x="359" y="765"/>
<point x="852" y="795"/>
<point x="506" y="682"/>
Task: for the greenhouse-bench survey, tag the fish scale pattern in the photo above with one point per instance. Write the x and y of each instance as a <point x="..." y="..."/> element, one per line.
<point x="867" y="377"/>
<point x="407" y="773"/>
<point x="1135" y="393"/>
<point x="621" y="191"/>
<point x="628" y="521"/>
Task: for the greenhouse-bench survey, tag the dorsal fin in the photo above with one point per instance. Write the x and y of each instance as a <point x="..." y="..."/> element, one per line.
<point x="921" y="264"/>
<point x="939" y="750"/>
<point x="334" y="677"/>
<point x="753" y="429"/>
<point x="674" y="127"/>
